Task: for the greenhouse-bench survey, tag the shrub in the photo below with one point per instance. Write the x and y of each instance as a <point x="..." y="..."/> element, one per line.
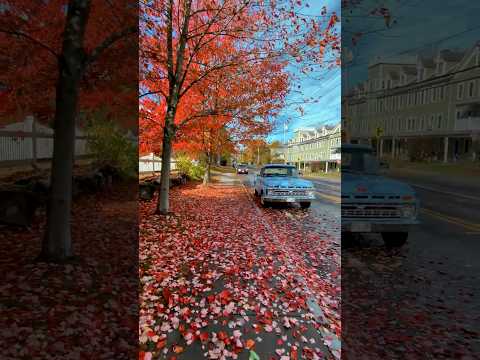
<point x="109" y="145"/>
<point x="186" y="167"/>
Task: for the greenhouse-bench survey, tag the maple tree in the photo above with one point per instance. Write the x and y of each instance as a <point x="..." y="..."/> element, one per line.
<point x="255" y="151"/>
<point x="202" y="59"/>
<point x="62" y="56"/>
<point x="205" y="143"/>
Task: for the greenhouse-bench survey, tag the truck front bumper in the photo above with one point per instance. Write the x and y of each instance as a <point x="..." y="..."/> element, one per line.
<point x="377" y="225"/>
<point x="288" y="199"/>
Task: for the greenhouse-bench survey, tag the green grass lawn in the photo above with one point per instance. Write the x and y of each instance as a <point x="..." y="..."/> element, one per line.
<point x="329" y="175"/>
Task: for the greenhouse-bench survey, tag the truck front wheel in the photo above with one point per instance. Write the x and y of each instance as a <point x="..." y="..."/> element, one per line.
<point x="394" y="239"/>
<point x="305" y="205"/>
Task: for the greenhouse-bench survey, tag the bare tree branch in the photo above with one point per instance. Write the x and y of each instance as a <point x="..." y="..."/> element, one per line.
<point x="33" y="40"/>
<point x="109" y="41"/>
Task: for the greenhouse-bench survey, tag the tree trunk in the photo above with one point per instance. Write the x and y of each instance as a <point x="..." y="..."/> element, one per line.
<point x="168" y="134"/>
<point x="207" y="176"/>
<point x="57" y="243"/>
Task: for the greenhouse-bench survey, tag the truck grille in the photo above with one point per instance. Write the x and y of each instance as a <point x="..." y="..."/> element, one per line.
<point x="287" y="192"/>
<point x="371" y="211"/>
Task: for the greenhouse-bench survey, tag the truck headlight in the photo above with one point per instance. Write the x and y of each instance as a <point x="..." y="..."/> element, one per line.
<point x="408" y="211"/>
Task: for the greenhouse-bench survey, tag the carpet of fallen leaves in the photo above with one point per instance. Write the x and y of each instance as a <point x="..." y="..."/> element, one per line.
<point x="84" y="309"/>
<point x="393" y="309"/>
<point x="221" y="278"/>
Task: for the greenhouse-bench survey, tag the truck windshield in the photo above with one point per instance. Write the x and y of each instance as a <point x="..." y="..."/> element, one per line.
<point x="359" y="162"/>
<point x="280" y="171"/>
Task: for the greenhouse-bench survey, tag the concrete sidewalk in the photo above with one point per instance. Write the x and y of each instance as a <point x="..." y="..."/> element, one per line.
<point x="219" y="283"/>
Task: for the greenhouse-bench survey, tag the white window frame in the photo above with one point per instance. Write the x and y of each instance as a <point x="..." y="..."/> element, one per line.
<point x="471" y="86"/>
<point x="460" y="89"/>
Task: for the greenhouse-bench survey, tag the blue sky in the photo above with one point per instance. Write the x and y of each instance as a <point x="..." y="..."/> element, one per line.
<point x="326" y="87"/>
<point x="421" y="26"/>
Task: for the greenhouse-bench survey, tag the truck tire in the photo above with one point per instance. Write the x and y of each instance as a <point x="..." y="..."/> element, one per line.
<point x="263" y="202"/>
<point x="394" y="239"/>
<point x="305" y="204"/>
<point x="347" y="240"/>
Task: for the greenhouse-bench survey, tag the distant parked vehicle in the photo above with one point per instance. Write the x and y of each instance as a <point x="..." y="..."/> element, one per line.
<point x="280" y="183"/>
<point x="242" y="169"/>
<point x="372" y="203"/>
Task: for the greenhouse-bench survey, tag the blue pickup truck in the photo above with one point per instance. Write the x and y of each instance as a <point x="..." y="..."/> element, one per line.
<point x="280" y="183"/>
<point x="372" y="203"/>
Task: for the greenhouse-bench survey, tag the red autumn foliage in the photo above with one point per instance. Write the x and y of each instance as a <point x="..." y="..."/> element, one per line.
<point x="224" y="60"/>
<point x="31" y="35"/>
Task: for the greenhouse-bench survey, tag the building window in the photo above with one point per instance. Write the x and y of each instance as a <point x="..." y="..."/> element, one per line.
<point x="420" y="74"/>
<point x="441" y="66"/>
<point x="439" y="121"/>
<point x="434" y="93"/>
<point x="460" y="91"/>
<point x="471" y="88"/>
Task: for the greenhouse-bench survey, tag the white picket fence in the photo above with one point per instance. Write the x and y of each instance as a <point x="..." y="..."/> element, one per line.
<point x="152" y="163"/>
<point x="28" y="141"/>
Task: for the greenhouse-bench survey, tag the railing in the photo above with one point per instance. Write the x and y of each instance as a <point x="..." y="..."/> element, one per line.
<point x="23" y="143"/>
<point x="466" y="124"/>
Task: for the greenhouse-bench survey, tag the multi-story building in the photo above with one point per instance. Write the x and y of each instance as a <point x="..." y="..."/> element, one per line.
<point x="418" y="108"/>
<point x="314" y="149"/>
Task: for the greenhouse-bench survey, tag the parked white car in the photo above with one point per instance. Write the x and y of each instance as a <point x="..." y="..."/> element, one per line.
<point x="280" y="183"/>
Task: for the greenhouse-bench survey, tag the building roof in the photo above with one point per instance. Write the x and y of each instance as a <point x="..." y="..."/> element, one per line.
<point x="427" y="62"/>
<point x="451" y="56"/>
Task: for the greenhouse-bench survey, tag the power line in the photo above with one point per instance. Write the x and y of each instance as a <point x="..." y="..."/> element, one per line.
<point x="435" y="42"/>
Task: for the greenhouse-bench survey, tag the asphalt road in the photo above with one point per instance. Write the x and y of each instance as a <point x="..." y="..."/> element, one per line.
<point x="450" y="222"/>
<point x="434" y="277"/>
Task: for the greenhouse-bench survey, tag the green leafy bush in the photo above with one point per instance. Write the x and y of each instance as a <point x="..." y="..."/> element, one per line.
<point x="110" y="145"/>
<point x="186" y="167"/>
